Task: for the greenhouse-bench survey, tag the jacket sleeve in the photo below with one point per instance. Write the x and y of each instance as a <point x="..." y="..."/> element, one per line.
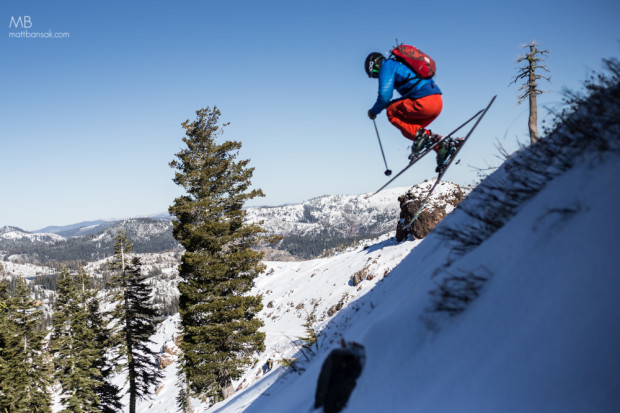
<point x="386" y="86"/>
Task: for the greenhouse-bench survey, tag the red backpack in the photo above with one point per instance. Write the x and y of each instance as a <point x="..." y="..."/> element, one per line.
<point x="418" y="61"/>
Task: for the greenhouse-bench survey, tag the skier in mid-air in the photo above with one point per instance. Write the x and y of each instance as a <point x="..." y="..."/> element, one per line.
<point x="419" y="105"/>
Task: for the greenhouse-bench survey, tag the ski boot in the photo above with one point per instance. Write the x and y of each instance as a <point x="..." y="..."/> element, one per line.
<point x="445" y="152"/>
<point x="424" y="138"/>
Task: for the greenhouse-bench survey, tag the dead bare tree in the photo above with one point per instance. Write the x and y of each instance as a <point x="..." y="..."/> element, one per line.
<point x="528" y="72"/>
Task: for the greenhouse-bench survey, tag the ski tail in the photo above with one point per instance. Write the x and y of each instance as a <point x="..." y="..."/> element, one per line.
<point x="445" y="168"/>
<point x="453" y="156"/>
<point x="425" y="152"/>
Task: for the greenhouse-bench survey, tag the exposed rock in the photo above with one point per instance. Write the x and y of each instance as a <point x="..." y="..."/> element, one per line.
<point x="169" y="353"/>
<point x="333" y="309"/>
<point x="360" y="276"/>
<point x="267" y="367"/>
<point x="228" y="391"/>
<point x="436" y="210"/>
<point x="338" y="377"/>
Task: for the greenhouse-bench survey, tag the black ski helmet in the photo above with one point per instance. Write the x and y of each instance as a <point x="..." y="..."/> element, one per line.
<point x="373" y="64"/>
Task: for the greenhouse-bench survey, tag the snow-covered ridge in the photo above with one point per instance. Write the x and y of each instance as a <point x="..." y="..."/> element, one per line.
<point x="12" y="269"/>
<point x="142" y="227"/>
<point x="331" y="211"/>
<point x="148" y="235"/>
<point x="329" y="220"/>
<point x="14" y="233"/>
<point x="347" y="214"/>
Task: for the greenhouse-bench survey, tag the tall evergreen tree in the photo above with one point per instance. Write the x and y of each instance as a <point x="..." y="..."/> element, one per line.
<point x="218" y="317"/>
<point x="109" y="393"/>
<point x="79" y="343"/>
<point x="4" y="340"/>
<point x="137" y="322"/>
<point x="25" y="376"/>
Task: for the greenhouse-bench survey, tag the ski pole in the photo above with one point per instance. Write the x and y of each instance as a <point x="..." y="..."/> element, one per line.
<point x="388" y="171"/>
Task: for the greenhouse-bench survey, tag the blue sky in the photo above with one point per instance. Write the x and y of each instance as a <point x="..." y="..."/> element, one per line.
<point x="90" y="122"/>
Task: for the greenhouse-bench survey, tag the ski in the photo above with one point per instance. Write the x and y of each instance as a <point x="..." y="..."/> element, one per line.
<point x="421" y="154"/>
<point x="446" y="165"/>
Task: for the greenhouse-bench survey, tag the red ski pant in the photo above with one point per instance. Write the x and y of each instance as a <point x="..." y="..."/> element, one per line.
<point x="409" y="115"/>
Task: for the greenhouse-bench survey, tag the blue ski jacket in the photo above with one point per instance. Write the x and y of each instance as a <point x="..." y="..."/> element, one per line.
<point x="396" y="75"/>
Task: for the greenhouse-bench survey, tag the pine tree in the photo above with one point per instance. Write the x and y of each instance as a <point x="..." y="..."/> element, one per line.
<point x="136" y="316"/>
<point x="109" y="393"/>
<point x="25" y="376"/>
<point x="4" y="340"/>
<point x="530" y="89"/>
<point x="218" y="317"/>
<point x="79" y="343"/>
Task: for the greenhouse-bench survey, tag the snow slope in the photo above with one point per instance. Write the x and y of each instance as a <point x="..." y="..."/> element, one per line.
<point x="291" y="292"/>
<point x="544" y="335"/>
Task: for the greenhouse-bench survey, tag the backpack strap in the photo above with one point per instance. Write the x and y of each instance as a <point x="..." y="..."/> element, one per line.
<point x="409" y="78"/>
<point x="419" y="79"/>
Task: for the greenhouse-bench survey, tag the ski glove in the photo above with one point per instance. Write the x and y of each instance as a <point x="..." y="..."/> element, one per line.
<point x="371" y="115"/>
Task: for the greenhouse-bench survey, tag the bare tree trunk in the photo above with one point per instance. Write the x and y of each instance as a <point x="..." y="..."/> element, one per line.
<point x="533" y="120"/>
<point x="530" y="88"/>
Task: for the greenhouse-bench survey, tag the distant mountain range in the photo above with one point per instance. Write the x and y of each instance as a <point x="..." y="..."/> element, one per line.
<point x="79" y="229"/>
<point x="308" y="229"/>
<point x="84" y="241"/>
<point x="90" y="227"/>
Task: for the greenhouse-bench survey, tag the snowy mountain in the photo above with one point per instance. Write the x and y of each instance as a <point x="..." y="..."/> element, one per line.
<point x="308" y="228"/>
<point x="344" y="214"/>
<point x="17" y="234"/>
<point x="148" y="235"/>
<point x="79" y="229"/>
<point x="326" y="222"/>
<point x="512" y="304"/>
<point x="542" y="335"/>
